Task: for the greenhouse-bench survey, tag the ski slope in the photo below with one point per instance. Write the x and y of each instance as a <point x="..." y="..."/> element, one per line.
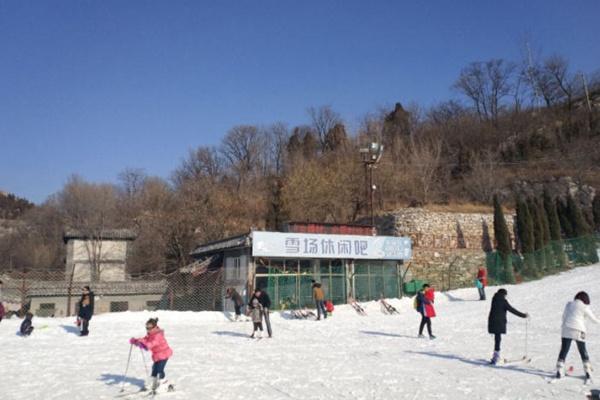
<point x="344" y="357"/>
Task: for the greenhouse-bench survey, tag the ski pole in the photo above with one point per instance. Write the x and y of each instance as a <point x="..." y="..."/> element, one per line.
<point x="144" y="359"/>
<point x="126" y="368"/>
<point x="526" y="334"/>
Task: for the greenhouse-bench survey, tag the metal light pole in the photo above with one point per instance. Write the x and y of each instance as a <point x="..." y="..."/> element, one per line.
<point x="371" y="155"/>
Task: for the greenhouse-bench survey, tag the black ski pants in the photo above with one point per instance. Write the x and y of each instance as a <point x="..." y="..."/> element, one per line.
<point x="425" y="321"/>
<point x="566" y="345"/>
<point x="497" y="341"/>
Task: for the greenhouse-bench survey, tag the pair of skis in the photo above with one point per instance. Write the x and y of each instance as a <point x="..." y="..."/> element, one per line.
<point x="303" y="314"/>
<point x="587" y="379"/>
<point x="149" y="393"/>
<point x="387" y="308"/>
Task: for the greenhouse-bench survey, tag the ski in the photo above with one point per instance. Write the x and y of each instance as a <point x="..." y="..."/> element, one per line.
<point x="586" y="380"/>
<point x="133" y="393"/>
<point x="524" y="360"/>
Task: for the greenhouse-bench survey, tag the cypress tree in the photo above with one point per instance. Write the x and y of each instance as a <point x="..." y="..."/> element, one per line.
<point x="563" y="217"/>
<point x="596" y="211"/>
<point x="584" y="242"/>
<point x="525" y="232"/>
<point x="560" y="260"/>
<point x="548" y="256"/>
<point x="538" y="235"/>
<point x="503" y="245"/>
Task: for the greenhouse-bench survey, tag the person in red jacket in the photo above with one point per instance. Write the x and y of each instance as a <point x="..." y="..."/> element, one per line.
<point x="481" y="282"/>
<point x="425" y="300"/>
<point x="155" y="342"/>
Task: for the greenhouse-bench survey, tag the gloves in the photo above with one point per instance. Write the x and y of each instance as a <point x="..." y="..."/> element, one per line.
<point x="527" y="315"/>
<point x="136" y="342"/>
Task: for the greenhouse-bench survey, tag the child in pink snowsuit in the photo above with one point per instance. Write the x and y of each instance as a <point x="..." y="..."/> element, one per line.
<point x="155" y="342"/>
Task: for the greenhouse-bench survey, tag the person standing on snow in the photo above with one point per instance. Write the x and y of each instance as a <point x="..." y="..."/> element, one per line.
<point x="86" y="310"/>
<point x="481" y="282"/>
<point x="26" y="325"/>
<point x="161" y="352"/>
<point x="256" y="313"/>
<point x="425" y="300"/>
<point x="319" y="298"/>
<point x="497" y="320"/>
<point x="237" y="301"/>
<point x="265" y="302"/>
<point x="573" y="328"/>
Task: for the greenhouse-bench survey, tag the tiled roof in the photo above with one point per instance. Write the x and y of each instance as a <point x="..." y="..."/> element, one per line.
<point x="106" y="234"/>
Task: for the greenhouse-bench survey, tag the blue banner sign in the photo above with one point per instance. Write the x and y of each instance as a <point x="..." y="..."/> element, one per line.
<point x="309" y="245"/>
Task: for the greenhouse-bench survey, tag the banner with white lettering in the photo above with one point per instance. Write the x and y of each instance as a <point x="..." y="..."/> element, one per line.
<point x="309" y="245"/>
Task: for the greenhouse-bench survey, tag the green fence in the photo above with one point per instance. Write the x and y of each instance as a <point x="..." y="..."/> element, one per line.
<point x="555" y="256"/>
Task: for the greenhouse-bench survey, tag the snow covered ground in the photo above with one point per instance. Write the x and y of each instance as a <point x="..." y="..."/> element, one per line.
<point x="345" y="357"/>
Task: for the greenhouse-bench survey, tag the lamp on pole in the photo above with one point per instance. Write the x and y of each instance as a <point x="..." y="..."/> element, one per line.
<point x="371" y="155"/>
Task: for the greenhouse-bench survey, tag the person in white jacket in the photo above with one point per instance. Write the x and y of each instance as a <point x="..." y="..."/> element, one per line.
<point x="573" y="328"/>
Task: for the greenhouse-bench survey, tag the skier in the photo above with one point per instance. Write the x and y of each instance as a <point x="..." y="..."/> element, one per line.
<point x="86" y="310"/>
<point x="319" y="298"/>
<point x="497" y="320"/>
<point x="573" y="328"/>
<point x="237" y="301"/>
<point x="161" y="352"/>
<point x="425" y="300"/>
<point x="256" y="311"/>
<point x="481" y="282"/>
<point x="26" y="325"/>
<point x="265" y="302"/>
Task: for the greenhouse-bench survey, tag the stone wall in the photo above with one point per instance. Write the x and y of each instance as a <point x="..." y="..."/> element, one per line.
<point x="448" y="248"/>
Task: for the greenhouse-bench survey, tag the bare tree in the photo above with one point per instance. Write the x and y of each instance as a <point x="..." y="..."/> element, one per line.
<point x="486" y="84"/>
<point x="425" y="158"/>
<point x="484" y="178"/>
<point x="324" y="119"/>
<point x="202" y="163"/>
<point x="242" y="147"/>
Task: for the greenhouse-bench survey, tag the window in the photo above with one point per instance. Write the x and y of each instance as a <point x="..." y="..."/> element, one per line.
<point x="236" y="268"/>
<point x="152" y="305"/>
<point x="116" y="306"/>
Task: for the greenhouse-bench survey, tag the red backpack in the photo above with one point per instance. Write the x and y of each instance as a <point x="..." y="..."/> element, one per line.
<point x="329" y="306"/>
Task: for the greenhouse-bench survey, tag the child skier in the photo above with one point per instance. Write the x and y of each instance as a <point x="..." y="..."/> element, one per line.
<point x="497" y="320"/>
<point x="26" y="327"/>
<point x="155" y="342"/>
<point x="425" y="300"/>
<point x="481" y="282"/>
<point x="256" y="311"/>
<point x="237" y="301"/>
<point x="573" y="328"/>
<point x="86" y="310"/>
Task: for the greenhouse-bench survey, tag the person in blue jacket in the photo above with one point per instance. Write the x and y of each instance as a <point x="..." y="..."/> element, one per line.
<point x="26" y="327"/>
<point x="86" y="310"/>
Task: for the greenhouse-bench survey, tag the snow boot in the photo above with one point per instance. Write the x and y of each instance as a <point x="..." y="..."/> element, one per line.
<point x="495" y="358"/>
<point x="560" y="369"/>
<point x="587" y="367"/>
<point x="155" y="383"/>
<point x="421" y="336"/>
<point x="431" y="337"/>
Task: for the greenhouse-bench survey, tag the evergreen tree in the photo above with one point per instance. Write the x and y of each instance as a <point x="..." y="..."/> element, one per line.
<point x="560" y="259"/>
<point x="526" y="239"/>
<point x="584" y="244"/>
<point x="548" y="256"/>
<point x="565" y="221"/>
<point x="503" y="245"/>
<point x="538" y="235"/>
<point x="596" y="211"/>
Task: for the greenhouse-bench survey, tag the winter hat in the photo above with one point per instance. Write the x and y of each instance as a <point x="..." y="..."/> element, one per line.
<point x="502" y="292"/>
<point x="584" y="297"/>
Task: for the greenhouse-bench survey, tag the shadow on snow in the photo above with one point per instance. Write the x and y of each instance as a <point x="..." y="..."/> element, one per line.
<point x="375" y="333"/>
<point x="113" y="379"/>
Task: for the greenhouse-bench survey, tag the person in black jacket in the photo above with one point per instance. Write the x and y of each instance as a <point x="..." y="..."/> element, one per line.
<point x="86" y="310"/>
<point x="237" y="301"/>
<point x="265" y="302"/>
<point x="26" y="327"/>
<point x="497" y="320"/>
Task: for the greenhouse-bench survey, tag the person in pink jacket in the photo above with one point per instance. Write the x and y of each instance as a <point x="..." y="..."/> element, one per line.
<point x="155" y="342"/>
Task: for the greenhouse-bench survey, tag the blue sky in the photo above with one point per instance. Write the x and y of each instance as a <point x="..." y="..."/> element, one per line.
<point x="94" y="87"/>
